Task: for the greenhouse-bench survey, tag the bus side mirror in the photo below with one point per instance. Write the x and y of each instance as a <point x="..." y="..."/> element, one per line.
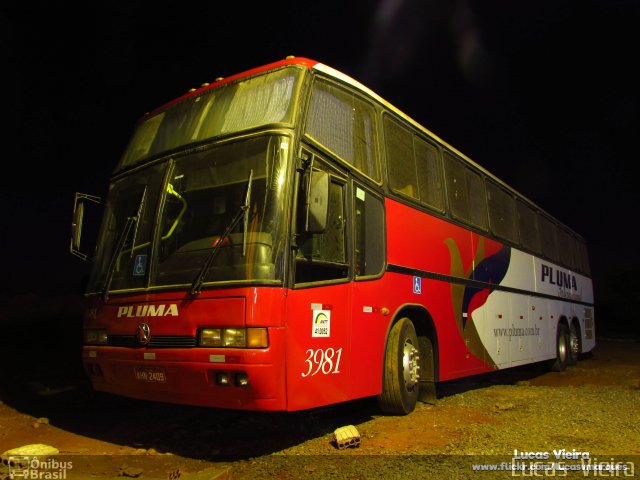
<point x="81" y="202"/>
<point x="317" y="204"/>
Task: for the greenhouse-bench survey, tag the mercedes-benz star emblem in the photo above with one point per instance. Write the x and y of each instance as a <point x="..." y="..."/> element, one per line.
<point x="143" y="333"/>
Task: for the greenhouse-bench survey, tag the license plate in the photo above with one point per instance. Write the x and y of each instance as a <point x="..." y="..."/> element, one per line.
<point x="150" y="374"/>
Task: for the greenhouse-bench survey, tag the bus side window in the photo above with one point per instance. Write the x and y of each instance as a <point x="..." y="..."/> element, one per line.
<point x="401" y="158"/>
<point x="466" y="193"/>
<point x="528" y="227"/>
<point x="369" y="233"/>
<point x="322" y="256"/>
<point x="549" y="238"/>
<point x="502" y="216"/>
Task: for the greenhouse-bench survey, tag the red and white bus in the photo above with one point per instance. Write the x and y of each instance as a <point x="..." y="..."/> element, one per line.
<point x="284" y="238"/>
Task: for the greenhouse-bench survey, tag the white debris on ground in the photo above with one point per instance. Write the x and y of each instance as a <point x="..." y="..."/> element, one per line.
<point x="346" y="437"/>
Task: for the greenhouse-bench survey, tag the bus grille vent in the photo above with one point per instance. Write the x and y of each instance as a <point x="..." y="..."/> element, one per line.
<point x="157" y="341"/>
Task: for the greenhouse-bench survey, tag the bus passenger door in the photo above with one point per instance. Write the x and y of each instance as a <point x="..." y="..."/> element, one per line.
<point x="370" y="295"/>
<point x="318" y="305"/>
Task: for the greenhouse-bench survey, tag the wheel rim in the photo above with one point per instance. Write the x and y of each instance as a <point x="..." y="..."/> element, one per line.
<point x="575" y="344"/>
<point x="562" y="348"/>
<point x="410" y="365"/>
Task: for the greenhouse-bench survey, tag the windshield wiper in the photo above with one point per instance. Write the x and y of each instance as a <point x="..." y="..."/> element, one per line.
<point x="137" y="219"/>
<point x="196" y="287"/>
<point x="245" y="227"/>
<point x="116" y="254"/>
<point x="122" y="239"/>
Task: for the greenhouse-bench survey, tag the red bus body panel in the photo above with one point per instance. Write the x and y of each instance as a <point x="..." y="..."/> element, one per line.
<point x="423" y="242"/>
<point x="190" y="373"/>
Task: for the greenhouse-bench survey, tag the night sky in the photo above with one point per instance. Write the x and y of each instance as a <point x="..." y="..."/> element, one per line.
<point x="544" y="94"/>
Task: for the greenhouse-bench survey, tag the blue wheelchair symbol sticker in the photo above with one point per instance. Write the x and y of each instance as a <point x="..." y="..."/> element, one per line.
<point x="417" y="285"/>
<point x="139" y="265"/>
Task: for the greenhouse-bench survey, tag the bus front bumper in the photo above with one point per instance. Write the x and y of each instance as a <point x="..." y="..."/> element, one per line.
<point x="244" y="379"/>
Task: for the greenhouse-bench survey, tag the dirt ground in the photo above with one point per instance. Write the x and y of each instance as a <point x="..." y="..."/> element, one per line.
<point x="45" y="399"/>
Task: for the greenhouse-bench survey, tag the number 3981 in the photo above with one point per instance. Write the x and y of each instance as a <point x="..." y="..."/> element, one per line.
<point x="324" y="361"/>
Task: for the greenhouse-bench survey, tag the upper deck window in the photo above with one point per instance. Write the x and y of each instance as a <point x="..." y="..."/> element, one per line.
<point x="414" y="166"/>
<point x="345" y="124"/>
<point x="528" y="227"/>
<point x="502" y="213"/>
<point x="466" y="193"/>
<point x="249" y="103"/>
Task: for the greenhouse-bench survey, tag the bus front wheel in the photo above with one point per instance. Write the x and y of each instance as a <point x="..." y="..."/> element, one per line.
<point x="401" y="375"/>
<point x="562" y="349"/>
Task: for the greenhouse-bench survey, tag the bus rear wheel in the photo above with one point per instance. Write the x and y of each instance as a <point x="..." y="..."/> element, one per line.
<point x="562" y="349"/>
<point x="574" y="345"/>
<point x="401" y="374"/>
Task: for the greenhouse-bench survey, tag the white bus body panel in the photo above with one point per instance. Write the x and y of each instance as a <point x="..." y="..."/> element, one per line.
<point x="517" y="328"/>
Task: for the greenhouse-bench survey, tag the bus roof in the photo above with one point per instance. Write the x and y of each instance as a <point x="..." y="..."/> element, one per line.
<point x="291" y="60"/>
<point x="329" y="71"/>
<point x="315" y="65"/>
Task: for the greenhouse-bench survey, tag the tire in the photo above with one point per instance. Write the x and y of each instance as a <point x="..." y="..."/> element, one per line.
<point x="574" y="345"/>
<point x="562" y="349"/>
<point x="427" y="392"/>
<point x="401" y="376"/>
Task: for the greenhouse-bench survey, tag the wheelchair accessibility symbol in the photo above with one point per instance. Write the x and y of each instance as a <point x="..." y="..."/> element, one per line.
<point x="417" y="285"/>
<point x="139" y="265"/>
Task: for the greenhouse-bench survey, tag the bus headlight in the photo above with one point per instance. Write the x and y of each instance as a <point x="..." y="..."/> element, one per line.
<point x="233" y="337"/>
<point x="210" y="337"/>
<point x="95" y="336"/>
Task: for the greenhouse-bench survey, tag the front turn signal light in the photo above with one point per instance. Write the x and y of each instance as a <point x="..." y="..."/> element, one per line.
<point x="257" y="338"/>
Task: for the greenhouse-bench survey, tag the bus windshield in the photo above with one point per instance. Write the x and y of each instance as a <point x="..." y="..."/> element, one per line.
<point x="256" y="101"/>
<point x="198" y="194"/>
